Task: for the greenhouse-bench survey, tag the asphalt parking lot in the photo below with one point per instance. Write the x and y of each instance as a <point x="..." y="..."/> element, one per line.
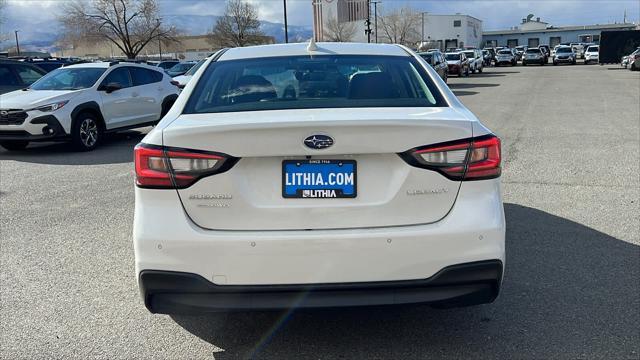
<point x="571" y="140"/>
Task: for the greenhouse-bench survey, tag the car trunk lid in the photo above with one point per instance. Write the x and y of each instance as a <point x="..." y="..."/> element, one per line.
<point x="251" y="195"/>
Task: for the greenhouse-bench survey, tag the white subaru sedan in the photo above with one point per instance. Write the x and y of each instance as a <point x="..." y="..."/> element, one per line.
<point x="327" y="174"/>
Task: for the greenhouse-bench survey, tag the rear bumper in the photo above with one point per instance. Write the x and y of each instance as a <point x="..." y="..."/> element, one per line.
<point x="454" y="286"/>
<point x="165" y="239"/>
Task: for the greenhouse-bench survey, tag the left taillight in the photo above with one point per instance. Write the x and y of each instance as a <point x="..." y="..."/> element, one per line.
<point x="468" y="159"/>
<point x="159" y="167"/>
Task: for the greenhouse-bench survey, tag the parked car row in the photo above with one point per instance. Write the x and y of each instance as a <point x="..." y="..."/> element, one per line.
<point x="457" y="61"/>
<point x="560" y="54"/>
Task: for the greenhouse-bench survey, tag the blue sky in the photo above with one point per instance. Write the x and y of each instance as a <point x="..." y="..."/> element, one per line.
<point x="34" y="17"/>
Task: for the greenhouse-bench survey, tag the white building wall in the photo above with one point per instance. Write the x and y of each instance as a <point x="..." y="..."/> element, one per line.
<point x="440" y="28"/>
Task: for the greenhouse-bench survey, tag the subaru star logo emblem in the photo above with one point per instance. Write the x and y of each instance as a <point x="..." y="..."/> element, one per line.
<point x="318" y="141"/>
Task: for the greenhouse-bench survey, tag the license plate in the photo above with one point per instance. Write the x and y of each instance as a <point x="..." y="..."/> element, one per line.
<point x="311" y="179"/>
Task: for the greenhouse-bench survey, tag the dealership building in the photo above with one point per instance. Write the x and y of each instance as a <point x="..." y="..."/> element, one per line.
<point x="536" y="32"/>
<point x="451" y="31"/>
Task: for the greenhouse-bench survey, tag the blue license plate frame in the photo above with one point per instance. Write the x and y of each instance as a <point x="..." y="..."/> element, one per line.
<point x="296" y="187"/>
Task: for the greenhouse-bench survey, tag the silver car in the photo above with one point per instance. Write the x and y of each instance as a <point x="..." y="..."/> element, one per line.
<point x="533" y="56"/>
<point x="564" y="55"/>
<point x="505" y="56"/>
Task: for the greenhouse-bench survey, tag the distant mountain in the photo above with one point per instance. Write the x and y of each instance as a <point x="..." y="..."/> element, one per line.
<point x="202" y="24"/>
<point x="33" y="38"/>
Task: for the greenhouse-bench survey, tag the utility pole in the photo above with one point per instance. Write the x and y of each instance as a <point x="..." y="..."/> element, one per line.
<point x="422" y="39"/>
<point x="159" y="41"/>
<point x="422" y="29"/>
<point x="286" y="30"/>
<point x="17" y="43"/>
<point x="375" y="18"/>
<point x="367" y="22"/>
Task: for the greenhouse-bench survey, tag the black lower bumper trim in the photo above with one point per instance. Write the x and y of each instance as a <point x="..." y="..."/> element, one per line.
<point x="52" y="131"/>
<point x="468" y="284"/>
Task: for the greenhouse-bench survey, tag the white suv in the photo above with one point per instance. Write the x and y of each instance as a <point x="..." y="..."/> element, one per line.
<point x="337" y="174"/>
<point x="592" y="54"/>
<point x="82" y="102"/>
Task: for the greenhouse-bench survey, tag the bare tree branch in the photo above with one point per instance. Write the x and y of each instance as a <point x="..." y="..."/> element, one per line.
<point x="400" y="26"/>
<point x="129" y="24"/>
<point x="239" y="26"/>
<point x="339" y="31"/>
<point x="3" y="5"/>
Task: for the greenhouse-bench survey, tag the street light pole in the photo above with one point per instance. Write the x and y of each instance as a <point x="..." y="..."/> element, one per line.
<point x="159" y="41"/>
<point x="422" y="27"/>
<point x="286" y="30"/>
<point x="17" y="43"/>
<point x="375" y="18"/>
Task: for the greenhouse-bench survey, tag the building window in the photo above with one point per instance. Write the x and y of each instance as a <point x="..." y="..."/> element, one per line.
<point x="534" y="42"/>
<point x="352" y="10"/>
<point x="555" y="40"/>
<point x="457" y="23"/>
<point x="596" y="39"/>
<point x="512" y="43"/>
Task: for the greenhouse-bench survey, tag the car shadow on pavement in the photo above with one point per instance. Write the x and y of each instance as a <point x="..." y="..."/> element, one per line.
<point x="487" y="75"/>
<point x="470" y="85"/>
<point x="569" y="291"/>
<point x="115" y="148"/>
<point x="464" y="93"/>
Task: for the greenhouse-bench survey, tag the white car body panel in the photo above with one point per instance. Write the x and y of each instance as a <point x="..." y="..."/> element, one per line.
<point x="182" y="79"/>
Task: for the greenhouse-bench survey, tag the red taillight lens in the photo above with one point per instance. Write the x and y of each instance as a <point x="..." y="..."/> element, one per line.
<point x="485" y="159"/>
<point x="160" y="167"/>
<point x="468" y="159"/>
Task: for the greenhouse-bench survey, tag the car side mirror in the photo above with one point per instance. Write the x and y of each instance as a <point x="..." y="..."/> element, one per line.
<point x="110" y="87"/>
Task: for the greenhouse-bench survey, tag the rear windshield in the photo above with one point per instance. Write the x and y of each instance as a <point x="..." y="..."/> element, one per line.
<point x="304" y="82"/>
<point x="452" y="56"/>
<point x="592" y="49"/>
<point x="533" y="51"/>
<point x="470" y="54"/>
<point x="564" y="50"/>
<point x="505" y="52"/>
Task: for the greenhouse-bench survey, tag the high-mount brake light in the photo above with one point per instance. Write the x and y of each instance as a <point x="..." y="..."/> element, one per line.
<point x="160" y="167"/>
<point x="469" y="159"/>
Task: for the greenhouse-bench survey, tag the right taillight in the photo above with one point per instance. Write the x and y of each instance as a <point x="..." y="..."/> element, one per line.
<point x="468" y="159"/>
<point x="159" y="167"/>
